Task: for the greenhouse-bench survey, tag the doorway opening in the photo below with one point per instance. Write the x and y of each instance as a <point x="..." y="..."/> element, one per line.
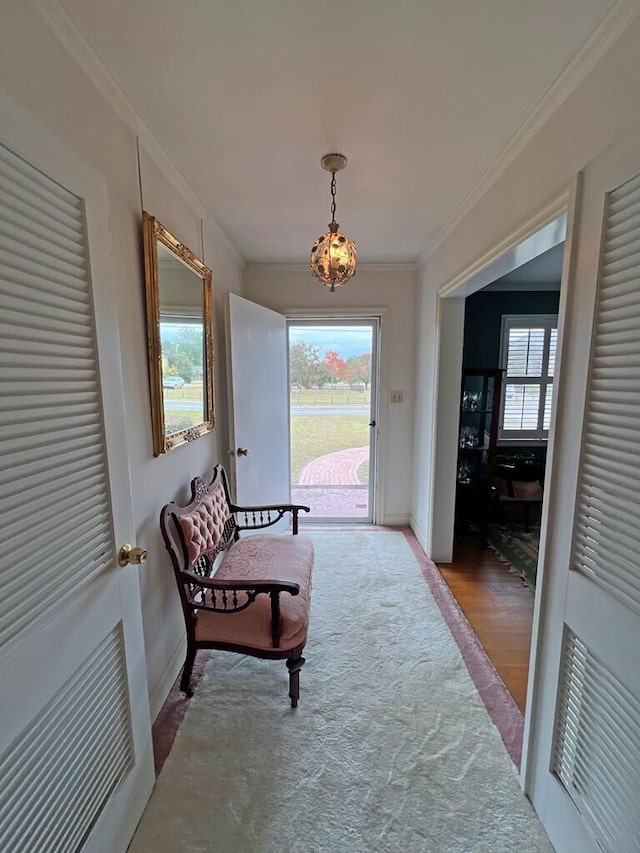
<point x="332" y="406"/>
<point x="495" y="379"/>
<point x="508" y="365"/>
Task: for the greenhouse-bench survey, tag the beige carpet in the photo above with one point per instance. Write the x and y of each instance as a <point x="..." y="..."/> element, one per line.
<point x="390" y="749"/>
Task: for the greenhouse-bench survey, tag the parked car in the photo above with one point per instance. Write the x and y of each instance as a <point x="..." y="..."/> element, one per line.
<point x="172" y="382"/>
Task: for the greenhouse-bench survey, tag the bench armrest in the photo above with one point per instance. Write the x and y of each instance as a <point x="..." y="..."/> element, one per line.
<point x="258" y="517"/>
<point x="222" y="596"/>
<point x="262" y="585"/>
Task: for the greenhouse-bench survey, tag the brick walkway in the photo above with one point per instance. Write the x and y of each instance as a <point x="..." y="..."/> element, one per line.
<point x="331" y="487"/>
<point x="335" y="469"/>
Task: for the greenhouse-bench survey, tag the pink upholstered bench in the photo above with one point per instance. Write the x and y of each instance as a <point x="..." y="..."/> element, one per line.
<point x="250" y="595"/>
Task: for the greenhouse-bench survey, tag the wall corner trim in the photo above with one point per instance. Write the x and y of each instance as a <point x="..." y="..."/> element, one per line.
<point x="58" y="20"/>
<point x="615" y="22"/>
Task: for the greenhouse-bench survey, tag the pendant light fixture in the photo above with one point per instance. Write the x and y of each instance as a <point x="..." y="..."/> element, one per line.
<point x="333" y="256"/>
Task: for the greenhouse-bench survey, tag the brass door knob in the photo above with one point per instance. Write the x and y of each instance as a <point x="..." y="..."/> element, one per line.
<point x="128" y="555"/>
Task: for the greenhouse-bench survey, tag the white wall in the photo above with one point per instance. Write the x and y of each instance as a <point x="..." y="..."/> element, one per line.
<point x="598" y="111"/>
<point x="293" y="288"/>
<point x="38" y="73"/>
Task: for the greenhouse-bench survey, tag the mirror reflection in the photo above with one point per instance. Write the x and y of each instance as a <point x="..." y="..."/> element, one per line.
<point x="179" y="335"/>
<point x="181" y="342"/>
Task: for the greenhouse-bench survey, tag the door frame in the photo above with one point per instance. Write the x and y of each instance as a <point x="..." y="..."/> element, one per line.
<point x="539" y="233"/>
<point x="376" y="315"/>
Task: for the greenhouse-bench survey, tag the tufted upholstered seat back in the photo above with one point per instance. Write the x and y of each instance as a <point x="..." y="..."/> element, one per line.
<point x="203" y="528"/>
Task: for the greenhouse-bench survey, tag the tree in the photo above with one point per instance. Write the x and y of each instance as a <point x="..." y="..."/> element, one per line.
<point x="358" y="369"/>
<point x="335" y="365"/>
<point x="182" y="348"/>
<point x="304" y="364"/>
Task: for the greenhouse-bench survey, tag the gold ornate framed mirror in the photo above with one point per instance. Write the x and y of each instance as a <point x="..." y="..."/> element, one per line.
<point x="180" y="338"/>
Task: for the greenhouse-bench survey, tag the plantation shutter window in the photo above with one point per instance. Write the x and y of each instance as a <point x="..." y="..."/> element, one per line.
<point x="528" y="355"/>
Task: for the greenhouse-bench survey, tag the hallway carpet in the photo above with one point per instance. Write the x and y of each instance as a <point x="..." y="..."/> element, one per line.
<point x="390" y="749"/>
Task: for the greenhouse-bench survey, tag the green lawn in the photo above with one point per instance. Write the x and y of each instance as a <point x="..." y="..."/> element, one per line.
<point x="315" y="435"/>
<point x="176" y="420"/>
<point x="189" y="392"/>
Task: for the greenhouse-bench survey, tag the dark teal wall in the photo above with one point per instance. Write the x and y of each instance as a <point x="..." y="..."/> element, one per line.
<point x="482" y="327"/>
<point x="483" y="320"/>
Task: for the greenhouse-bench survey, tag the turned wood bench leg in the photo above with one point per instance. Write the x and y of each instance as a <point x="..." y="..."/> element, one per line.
<point x="185" y="681"/>
<point x="294" y="665"/>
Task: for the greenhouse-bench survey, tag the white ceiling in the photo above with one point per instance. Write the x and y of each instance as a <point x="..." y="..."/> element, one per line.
<point x="542" y="273"/>
<point x="245" y="96"/>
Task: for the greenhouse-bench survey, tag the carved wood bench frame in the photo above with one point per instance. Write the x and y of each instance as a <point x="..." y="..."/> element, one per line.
<point x="200" y="590"/>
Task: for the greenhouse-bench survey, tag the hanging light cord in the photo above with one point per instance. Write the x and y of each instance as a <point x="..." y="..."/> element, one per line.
<point x="333" y="197"/>
<point x="139" y="173"/>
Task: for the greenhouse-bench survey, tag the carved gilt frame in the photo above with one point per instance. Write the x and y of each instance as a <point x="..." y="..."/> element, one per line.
<point x="152" y="234"/>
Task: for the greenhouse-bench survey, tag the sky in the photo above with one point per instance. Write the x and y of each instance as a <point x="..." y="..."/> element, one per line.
<point x="345" y="340"/>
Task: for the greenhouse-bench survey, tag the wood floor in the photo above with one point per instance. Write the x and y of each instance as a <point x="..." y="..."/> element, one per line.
<point x="499" y="608"/>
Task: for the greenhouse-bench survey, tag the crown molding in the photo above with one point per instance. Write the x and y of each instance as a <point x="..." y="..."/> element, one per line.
<point x="64" y="28"/>
<point x="410" y="266"/>
<point x="615" y="22"/>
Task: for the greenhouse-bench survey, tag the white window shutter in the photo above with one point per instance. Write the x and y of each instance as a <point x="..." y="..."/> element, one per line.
<point x="56" y="532"/>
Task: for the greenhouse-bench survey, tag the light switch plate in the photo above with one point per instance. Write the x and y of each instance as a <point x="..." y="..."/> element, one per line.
<point x="396" y="396"/>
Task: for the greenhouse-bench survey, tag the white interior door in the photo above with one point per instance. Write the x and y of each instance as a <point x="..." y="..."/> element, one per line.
<point x="258" y="402"/>
<point x="75" y="748"/>
<point x="585" y="757"/>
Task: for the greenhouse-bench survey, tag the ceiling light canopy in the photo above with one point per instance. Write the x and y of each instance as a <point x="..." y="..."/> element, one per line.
<point x="333" y="256"/>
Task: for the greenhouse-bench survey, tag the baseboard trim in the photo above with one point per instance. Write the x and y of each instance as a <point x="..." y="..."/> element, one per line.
<point x="420" y="535"/>
<point x="394" y="520"/>
<point x="158" y="695"/>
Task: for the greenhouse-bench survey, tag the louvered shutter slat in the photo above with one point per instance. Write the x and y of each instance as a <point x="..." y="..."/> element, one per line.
<point x="44" y="288"/>
<point x="596" y="745"/>
<point x="65" y="496"/>
<point x="51" y="434"/>
<point x="57" y="469"/>
<point x="69" y="760"/>
<point x="38" y="242"/>
<point x="37" y="201"/>
<point x="609" y="486"/>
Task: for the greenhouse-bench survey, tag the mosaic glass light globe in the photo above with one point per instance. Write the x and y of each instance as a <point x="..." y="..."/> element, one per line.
<point x="333" y="257"/>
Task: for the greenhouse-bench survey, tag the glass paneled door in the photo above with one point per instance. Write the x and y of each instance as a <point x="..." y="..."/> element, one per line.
<point x="332" y="402"/>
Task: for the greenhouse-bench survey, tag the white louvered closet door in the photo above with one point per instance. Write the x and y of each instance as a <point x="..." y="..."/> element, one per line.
<point x="75" y="759"/>
<point x="586" y="763"/>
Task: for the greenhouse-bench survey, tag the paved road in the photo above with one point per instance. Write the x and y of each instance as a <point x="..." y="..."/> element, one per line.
<point x="330" y="410"/>
<point x="196" y="405"/>
<point x="186" y="405"/>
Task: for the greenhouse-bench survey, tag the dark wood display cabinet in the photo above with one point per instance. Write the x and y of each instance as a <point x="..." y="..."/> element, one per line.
<point x="480" y="402"/>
